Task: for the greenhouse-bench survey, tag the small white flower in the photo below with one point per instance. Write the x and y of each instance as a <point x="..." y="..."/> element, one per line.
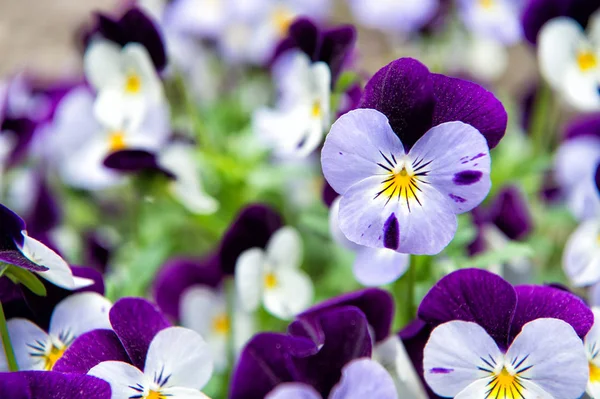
<point x="273" y="276"/>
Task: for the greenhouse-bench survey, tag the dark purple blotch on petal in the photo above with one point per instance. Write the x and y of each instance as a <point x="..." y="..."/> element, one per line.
<point x="376" y="304"/>
<point x="391" y="233"/>
<point x="133" y="27"/>
<point x="253" y="227"/>
<point x="136" y="321"/>
<point x="536" y="302"/>
<point x="135" y="161"/>
<point x="457" y="198"/>
<point x="467" y="177"/>
<point x="90" y="349"/>
<point x="441" y="370"/>
<point x="179" y="274"/>
<point x="472" y="295"/>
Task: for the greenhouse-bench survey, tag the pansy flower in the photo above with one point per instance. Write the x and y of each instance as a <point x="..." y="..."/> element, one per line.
<point x="360" y="378"/>
<point x="576" y="164"/>
<point x="51" y="385"/>
<point x="581" y="256"/>
<point x="143" y="356"/>
<point x="20" y="250"/>
<point x="569" y="60"/>
<point x="415" y="155"/>
<point x="296" y="126"/>
<point x="494" y="19"/>
<point x="273" y="276"/>
<point x="394" y="16"/>
<point x="492" y="339"/>
<point x="36" y="349"/>
<point x="592" y="348"/>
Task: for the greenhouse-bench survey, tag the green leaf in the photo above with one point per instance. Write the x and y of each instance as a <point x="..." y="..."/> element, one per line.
<point x="512" y="250"/>
<point x="27" y="278"/>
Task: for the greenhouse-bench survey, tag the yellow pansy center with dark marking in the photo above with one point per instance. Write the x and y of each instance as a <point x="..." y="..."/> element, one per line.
<point x="282" y="18"/>
<point x="116" y="140"/>
<point x="594" y="373"/>
<point x="505" y="385"/>
<point x="154" y="395"/>
<point x="52" y="356"/>
<point x="133" y="83"/>
<point x="316" y="110"/>
<point x="587" y="60"/>
<point x="487" y="4"/>
<point x="270" y="280"/>
<point x="220" y="324"/>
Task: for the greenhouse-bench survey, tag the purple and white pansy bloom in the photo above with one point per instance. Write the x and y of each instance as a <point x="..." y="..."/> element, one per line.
<point x="36" y="349"/>
<point x="361" y="378"/>
<point x="296" y="126"/>
<point x="273" y="276"/>
<point x="413" y="157"/>
<point x="569" y="60"/>
<point x="394" y="16"/>
<point x="592" y="347"/>
<point x="491" y="339"/>
<point x="581" y="257"/>
<point x="20" y="250"/>
<point x="498" y="20"/>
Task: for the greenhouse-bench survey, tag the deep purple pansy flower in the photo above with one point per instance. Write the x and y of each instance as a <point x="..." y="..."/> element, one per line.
<point x="331" y="46"/>
<point x="538" y="12"/>
<point x="313" y="352"/>
<point x="491" y="335"/>
<point x="18" y="249"/>
<point x="415" y="155"/>
<point x="132" y="27"/>
<point x="253" y="227"/>
<point x="52" y="385"/>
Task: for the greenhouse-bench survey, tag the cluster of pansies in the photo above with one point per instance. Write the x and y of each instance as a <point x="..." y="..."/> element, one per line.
<point x="245" y="199"/>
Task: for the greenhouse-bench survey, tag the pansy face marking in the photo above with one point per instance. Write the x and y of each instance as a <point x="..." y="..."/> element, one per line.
<point x="403" y="179"/>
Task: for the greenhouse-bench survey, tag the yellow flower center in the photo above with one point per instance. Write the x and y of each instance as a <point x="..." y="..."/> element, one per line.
<point x="270" y="280"/>
<point x="487" y="4"/>
<point x="52" y="356"/>
<point x="505" y="385"/>
<point x="282" y="18"/>
<point x="316" y="109"/>
<point x="586" y="60"/>
<point x="116" y="141"/>
<point x="400" y="185"/>
<point x="220" y="324"/>
<point x="133" y="83"/>
<point x="154" y="395"/>
<point x="594" y="373"/>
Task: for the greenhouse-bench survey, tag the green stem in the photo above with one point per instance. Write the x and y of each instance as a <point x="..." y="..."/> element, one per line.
<point x="404" y="294"/>
<point x="6" y="344"/>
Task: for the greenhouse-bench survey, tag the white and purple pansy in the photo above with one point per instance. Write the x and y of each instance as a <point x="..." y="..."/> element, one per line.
<point x="20" y="250"/>
<point x="491" y="339"/>
<point x="142" y="356"/>
<point x="412" y="157"/>
<point x="36" y="349"/>
<point x="498" y="20"/>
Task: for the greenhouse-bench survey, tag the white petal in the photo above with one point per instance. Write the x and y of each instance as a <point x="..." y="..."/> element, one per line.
<point x="576" y="160"/>
<point x="80" y="313"/>
<point x="117" y="110"/>
<point x="58" y="272"/>
<point x="24" y="334"/>
<point x="453" y="354"/>
<point x="581" y="257"/>
<point x="334" y="227"/>
<point x="284" y="248"/>
<point x="379" y="266"/>
<point x="581" y="88"/>
<point x="364" y="378"/>
<point x="102" y="63"/>
<point x="291" y="294"/>
<point x="122" y="377"/>
<point x="557" y="45"/>
<point x="183" y="393"/>
<point x="392" y="355"/>
<point x="293" y="390"/>
<point x="181" y="354"/>
<point x="557" y="362"/>
<point x="592" y="343"/>
<point x="136" y="59"/>
<point x="249" y="274"/>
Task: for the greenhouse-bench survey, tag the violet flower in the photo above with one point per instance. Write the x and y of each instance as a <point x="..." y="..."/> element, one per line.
<point x="412" y="158"/>
<point x="492" y="337"/>
<point x="51" y="385"/>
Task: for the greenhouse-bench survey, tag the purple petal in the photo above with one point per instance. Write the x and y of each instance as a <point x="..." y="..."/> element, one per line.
<point x="177" y="275"/>
<point x="97" y="250"/>
<point x="350" y="100"/>
<point x="136" y="321"/>
<point x="23" y="129"/>
<point x="52" y="385"/>
<point x="90" y="349"/>
<point x="376" y="304"/>
<point x="135" y="161"/>
<point x="472" y="295"/>
<point x="460" y="100"/>
<point x="538" y="12"/>
<point x="45" y="214"/>
<point x="342" y="335"/>
<point x="253" y="227"/>
<point x="536" y="302"/>
<point x="588" y="125"/>
<point x="403" y="91"/>
<point x="134" y="27"/>
<point x="510" y="212"/>
<point x="10" y="238"/>
<point x="329" y="195"/>
<point x="9" y="291"/>
<point x="265" y="362"/>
